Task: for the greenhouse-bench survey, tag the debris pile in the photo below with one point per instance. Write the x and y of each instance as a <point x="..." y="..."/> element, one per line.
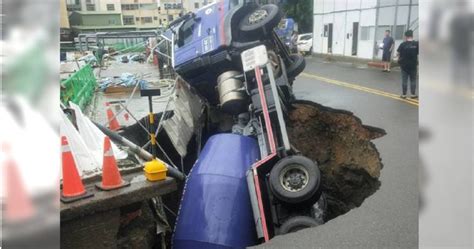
<point x="124" y="80"/>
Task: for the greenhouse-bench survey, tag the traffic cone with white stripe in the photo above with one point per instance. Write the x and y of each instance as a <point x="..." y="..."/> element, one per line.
<point x="73" y="188"/>
<point x="111" y="178"/>
<point x="113" y="123"/>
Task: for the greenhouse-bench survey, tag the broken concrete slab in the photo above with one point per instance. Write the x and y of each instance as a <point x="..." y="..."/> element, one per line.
<point x="138" y="190"/>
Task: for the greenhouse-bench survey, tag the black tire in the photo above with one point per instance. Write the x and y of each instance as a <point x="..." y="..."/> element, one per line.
<point x="260" y="27"/>
<point x="295" y="179"/>
<point x="297" y="223"/>
<point x="297" y="65"/>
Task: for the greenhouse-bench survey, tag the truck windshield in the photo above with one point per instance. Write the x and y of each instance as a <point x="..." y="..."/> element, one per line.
<point x="185" y="32"/>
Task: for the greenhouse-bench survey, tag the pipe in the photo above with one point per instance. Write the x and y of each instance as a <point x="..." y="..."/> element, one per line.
<point x="138" y="151"/>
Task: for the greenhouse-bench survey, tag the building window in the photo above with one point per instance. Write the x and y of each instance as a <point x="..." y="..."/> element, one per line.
<point x="129" y="6"/>
<point x="170" y="17"/>
<point x="90" y="7"/>
<point x="367" y="33"/>
<point x="380" y="33"/>
<point x="399" y="32"/>
<point x="147" y="19"/>
<point x="196" y="5"/>
<point x="128" y="20"/>
<point x="155" y="18"/>
<point x="110" y="7"/>
<point x="89" y="1"/>
<point x="73" y="7"/>
<point x="137" y="19"/>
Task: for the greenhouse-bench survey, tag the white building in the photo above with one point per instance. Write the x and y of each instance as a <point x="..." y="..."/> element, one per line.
<point x="356" y="27"/>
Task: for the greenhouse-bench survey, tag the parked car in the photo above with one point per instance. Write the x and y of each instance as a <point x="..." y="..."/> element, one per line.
<point x="305" y="43"/>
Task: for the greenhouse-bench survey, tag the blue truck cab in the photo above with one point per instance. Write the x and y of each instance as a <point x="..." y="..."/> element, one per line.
<point x="203" y="41"/>
<point x="209" y="41"/>
<point x="202" y="33"/>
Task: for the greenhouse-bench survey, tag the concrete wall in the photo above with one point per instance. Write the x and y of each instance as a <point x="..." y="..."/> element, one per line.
<point x="390" y="14"/>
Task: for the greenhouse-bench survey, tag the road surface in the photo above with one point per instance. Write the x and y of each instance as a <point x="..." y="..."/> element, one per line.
<point x="388" y="218"/>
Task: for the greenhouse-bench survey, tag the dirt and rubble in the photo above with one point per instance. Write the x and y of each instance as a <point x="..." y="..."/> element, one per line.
<point x="341" y="145"/>
<point x="336" y="139"/>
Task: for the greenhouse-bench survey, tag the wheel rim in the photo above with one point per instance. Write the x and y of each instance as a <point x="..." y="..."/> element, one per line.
<point x="257" y="16"/>
<point x="294" y="178"/>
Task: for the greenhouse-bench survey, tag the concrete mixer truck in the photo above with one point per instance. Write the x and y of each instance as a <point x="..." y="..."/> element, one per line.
<point x="249" y="183"/>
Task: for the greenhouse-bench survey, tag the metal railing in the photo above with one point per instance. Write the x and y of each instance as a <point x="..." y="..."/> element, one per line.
<point x="79" y="88"/>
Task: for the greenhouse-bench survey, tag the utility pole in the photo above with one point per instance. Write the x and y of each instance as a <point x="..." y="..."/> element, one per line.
<point x="376" y="49"/>
<point x="395" y="19"/>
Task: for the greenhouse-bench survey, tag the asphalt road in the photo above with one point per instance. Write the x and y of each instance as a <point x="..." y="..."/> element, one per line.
<point x="388" y="218"/>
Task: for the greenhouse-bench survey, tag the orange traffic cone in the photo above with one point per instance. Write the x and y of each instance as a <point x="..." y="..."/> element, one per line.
<point x="111" y="178"/>
<point x="113" y="123"/>
<point x="18" y="204"/>
<point x="73" y="188"/>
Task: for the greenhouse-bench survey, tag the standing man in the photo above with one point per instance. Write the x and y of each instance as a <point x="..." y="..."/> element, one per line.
<point x="388" y="44"/>
<point x="407" y="54"/>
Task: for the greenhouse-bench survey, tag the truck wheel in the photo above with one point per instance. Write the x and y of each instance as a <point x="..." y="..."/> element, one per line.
<point x="297" y="223"/>
<point x="295" y="179"/>
<point x="260" y="21"/>
<point x="297" y="65"/>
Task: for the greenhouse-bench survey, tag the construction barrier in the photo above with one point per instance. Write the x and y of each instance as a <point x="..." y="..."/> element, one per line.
<point x="79" y="88"/>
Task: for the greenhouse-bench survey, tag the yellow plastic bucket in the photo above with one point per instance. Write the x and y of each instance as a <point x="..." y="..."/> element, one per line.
<point x="155" y="170"/>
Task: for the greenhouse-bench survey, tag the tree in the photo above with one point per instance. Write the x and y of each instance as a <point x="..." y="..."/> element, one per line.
<point x="302" y="12"/>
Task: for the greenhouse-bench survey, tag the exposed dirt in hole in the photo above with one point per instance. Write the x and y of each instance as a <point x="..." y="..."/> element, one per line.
<point x="336" y="139"/>
<point x="341" y="145"/>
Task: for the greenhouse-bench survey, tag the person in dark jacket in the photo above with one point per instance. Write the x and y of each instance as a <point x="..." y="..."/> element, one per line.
<point x="388" y="44"/>
<point x="407" y="54"/>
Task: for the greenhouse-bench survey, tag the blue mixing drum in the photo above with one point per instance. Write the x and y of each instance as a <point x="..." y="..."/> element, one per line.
<point x="215" y="210"/>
